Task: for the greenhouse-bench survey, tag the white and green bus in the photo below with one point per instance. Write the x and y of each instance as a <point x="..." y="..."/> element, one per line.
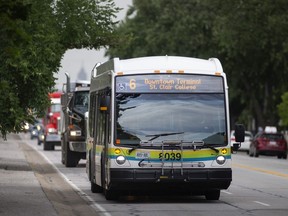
<point x="159" y="125"/>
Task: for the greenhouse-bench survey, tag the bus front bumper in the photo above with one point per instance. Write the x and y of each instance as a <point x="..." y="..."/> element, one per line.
<point x="180" y="180"/>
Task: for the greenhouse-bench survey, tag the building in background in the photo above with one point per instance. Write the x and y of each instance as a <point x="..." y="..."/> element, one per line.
<point x="79" y="63"/>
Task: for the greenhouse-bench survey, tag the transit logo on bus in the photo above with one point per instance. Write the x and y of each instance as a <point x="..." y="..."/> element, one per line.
<point x="169" y="83"/>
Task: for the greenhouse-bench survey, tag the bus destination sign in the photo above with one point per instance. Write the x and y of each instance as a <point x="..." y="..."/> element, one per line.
<point x="169" y="83"/>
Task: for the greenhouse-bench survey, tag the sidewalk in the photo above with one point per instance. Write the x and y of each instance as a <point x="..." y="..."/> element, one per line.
<point x="20" y="191"/>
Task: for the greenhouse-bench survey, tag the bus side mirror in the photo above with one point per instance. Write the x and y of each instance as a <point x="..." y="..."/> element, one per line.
<point x="239" y="136"/>
<point x="105" y="103"/>
<point x="239" y="133"/>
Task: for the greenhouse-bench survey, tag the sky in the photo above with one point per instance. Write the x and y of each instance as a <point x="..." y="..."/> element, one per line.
<point x="79" y="63"/>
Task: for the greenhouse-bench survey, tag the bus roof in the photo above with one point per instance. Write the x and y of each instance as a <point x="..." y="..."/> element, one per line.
<point x="161" y="63"/>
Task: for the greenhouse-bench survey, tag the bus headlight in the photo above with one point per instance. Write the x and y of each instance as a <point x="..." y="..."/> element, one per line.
<point x="120" y="159"/>
<point x="221" y="160"/>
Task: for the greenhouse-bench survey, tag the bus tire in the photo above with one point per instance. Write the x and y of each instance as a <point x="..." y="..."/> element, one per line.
<point x="212" y="195"/>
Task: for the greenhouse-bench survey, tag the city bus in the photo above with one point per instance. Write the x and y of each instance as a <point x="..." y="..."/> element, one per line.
<point x="159" y="125"/>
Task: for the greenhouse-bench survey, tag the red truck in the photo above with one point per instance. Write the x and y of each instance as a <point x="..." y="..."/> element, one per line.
<point x="51" y="123"/>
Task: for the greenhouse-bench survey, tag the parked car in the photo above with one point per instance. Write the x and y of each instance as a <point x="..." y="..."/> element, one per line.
<point x="247" y="142"/>
<point x="269" y="143"/>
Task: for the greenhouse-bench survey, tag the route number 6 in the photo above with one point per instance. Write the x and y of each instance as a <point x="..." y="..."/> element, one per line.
<point x="132" y="84"/>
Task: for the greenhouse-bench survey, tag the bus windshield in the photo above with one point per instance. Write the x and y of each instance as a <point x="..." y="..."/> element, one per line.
<point x="144" y="117"/>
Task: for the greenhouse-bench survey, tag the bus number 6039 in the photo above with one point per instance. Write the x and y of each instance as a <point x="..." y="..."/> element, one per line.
<point x="170" y="156"/>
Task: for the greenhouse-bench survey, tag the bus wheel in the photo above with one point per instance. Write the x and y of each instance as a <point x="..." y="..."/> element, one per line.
<point x="213" y="195"/>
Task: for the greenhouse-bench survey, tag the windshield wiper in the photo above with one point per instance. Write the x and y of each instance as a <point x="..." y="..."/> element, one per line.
<point x="155" y="136"/>
<point x="134" y="147"/>
<point x="195" y="144"/>
<point x="142" y="143"/>
<point x="211" y="147"/>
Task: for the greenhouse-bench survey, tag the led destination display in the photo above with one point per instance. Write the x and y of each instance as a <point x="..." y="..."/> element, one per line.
<point x="169" y="83"/>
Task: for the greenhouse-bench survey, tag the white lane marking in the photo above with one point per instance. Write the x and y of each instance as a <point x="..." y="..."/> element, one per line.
<point x="227" y="192"/>
<point x="261" y="203"/>
<point x="94" y="205"/>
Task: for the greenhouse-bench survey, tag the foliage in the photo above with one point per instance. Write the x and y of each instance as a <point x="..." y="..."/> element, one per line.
<point x="253" y="41"/>
<point x="165" y="27"/>
<point x="248" y="36"/>
<point x="282" y="109"/>
<point x="34" y="36"/>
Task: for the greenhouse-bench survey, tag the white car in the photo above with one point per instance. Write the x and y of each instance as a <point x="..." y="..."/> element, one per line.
<point x="247" y="141"/>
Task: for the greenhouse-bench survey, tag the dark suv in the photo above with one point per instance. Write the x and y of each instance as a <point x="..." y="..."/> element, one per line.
<point x="273" y="144"/>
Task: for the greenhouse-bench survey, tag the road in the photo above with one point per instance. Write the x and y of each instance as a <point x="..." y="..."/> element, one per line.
<point x="259" y="187"/>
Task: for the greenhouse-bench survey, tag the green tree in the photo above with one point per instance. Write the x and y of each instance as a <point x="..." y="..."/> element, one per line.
<point x="34" y="36"/>
<point x="248" y="36"/>
<point x="253" y="40"/>
<point x="282" y="109"/>
<point x="166" y="27"/>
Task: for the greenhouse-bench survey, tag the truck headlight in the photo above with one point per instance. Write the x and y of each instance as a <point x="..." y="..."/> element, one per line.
<point x="52" y="130"/>
<point x="75" y="133"/>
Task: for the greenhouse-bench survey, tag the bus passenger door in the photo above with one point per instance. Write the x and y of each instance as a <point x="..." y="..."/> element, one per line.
<point x="98" y="140"/>
<point x="101" y="157"/>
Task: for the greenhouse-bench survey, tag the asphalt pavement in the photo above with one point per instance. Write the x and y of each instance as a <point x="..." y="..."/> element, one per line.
<point x="20" y="191"/>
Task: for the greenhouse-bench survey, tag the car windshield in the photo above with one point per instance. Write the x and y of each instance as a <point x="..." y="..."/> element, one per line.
<point x="162" y="117"/>
<point x="55" y="107"/>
